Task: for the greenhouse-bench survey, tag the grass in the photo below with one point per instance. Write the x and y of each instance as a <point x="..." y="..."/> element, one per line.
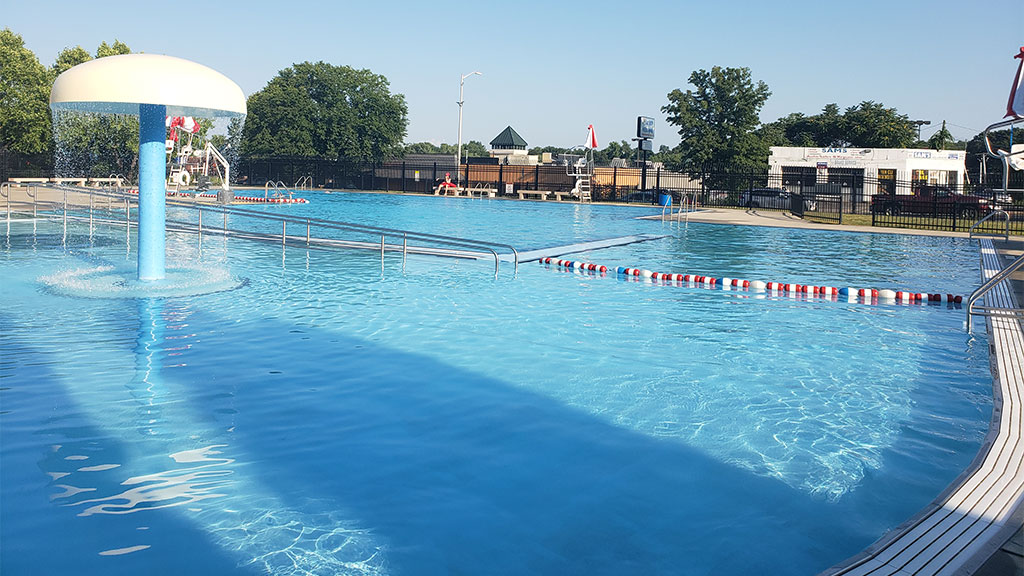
<point x="943" y="224"/>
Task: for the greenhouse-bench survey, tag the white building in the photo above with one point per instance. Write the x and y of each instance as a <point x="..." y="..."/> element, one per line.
<point x="864" y="171"/>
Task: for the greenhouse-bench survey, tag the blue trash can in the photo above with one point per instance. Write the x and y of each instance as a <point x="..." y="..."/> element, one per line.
<point x="664" y="199"/>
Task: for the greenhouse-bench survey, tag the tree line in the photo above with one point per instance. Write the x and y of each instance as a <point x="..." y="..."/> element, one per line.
<point x="326" y="111"/>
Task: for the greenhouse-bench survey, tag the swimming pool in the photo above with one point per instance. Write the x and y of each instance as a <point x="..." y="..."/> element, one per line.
<point x="317" y="414"/>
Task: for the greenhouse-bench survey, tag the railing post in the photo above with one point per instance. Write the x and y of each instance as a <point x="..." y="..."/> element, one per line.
<point x="501" y="180"/>
<point x="403" y="177"/>
<point x="536" y="177"/>
<point x="199" y="228"/>
<point x="65" y="215"/>
<point x="307" y="231"/>
<point x="284" y="232"/>
<point x="90" y="213"/>
<point x="615" y="182"/>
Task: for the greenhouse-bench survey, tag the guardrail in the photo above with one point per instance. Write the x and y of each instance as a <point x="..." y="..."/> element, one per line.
<point x="66" y="204"/>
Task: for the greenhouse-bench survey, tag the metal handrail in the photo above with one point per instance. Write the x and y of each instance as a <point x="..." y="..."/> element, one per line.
<point x="350" y="226"/>
<point x="995" y="212"/>
<point x="308" y="222"/>
<point x="986" y="287"/>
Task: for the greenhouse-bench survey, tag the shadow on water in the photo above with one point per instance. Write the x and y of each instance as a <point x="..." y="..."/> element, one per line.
<point x="50" y="454"/>
<point x="448" y="470"/>
<point x="459" y="472"/>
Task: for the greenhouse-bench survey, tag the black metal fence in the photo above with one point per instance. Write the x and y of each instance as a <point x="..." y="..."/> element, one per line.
<point x="836" y="197"/>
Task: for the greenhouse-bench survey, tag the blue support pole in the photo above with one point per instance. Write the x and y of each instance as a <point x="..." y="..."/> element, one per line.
<point x="152" y="192"/>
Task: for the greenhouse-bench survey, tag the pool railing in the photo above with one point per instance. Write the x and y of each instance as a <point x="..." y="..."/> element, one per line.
<point x="51" y="201"/>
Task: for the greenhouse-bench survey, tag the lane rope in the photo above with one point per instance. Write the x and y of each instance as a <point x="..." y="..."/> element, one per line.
<point x="865" y="295"/>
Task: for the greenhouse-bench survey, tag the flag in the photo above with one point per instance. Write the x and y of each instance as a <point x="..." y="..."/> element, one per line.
<point x="592" y="138"/>
<point x="1015" y="105"/>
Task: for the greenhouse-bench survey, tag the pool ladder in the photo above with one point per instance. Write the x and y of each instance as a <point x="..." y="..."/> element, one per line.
<point x="974" y="309"/>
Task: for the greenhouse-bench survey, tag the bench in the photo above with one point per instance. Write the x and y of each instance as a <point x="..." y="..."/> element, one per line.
<point x="107" y="181"/>
<point x="29" y="180"/>
<point x="76" y="181"/>
<point x="540" y="194"/>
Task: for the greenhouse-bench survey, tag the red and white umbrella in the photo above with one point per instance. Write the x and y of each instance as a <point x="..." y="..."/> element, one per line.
<point x="1015" y="105"/>
<point x="592" y="138"/>
<point x="186" y="123"/>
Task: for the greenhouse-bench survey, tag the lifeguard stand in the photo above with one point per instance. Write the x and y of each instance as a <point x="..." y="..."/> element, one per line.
<point x="581" y="167"/>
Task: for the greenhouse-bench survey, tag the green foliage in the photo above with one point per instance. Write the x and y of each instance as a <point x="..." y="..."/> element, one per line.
<point x="473" y="148"/>
<point x="539" y="150"/>
<point x="116" y="49"/>
<point x="93" y="144"/>
<point x="866" y="125"/>
<point x="24" y="98"/>
<point x="622" y="149"/>
<point x="326" y="111"/>
<point x="871" y="125"/>
<point x="976" y="154"/>
<point x="68" y="58"/>
<point x="716" y="121"/>
<point x="941" y="140"/>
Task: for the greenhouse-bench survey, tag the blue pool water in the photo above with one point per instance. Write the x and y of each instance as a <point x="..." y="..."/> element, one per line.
<point x="306" y="412"/>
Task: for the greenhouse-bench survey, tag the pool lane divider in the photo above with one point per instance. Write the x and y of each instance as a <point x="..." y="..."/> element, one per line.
<point x="244" y="199"/>
<point x="868" y="295"/>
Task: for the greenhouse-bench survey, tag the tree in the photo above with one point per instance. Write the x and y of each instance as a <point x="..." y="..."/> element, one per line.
<point x="326" y="111"/>
<point x="473" y="148"/>
<point x="993" y="167"/>
<point x="87" y="144"/>
<point x="24" y="98"/>
<point x="114" y="49"/>
<point x="942" y="139"/>
<point x="621" y="149"/>
<point x="717" y="120"/>
<point x="871" y="125"/>
<point x="68" y="58"/>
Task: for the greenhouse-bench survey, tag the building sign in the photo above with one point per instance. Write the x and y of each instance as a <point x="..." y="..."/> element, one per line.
<point x="645" y="127"/>
<point x="822" y="173"/>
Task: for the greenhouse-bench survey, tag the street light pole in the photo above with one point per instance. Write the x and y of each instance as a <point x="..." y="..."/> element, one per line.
<point x="458" y="158"/>
<point x="920" y="123"/>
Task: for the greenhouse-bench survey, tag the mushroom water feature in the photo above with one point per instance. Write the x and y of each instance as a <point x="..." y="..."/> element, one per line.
<point x="150" y="86"/>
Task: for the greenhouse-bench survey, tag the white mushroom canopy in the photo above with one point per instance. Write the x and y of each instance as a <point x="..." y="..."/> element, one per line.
<point x="118" y="84"/>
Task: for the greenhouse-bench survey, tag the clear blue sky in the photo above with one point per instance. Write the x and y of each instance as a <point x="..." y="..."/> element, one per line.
<point x="552" y="68"/>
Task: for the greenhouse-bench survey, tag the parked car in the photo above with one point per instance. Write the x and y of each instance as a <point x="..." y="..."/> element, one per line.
<point x="929" y="200"/>
<point x="776" y="198"/>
